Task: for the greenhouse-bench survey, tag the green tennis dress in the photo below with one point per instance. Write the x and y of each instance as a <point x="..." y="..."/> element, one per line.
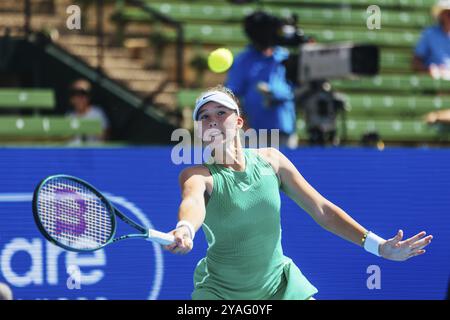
<point x="245" y="260"/>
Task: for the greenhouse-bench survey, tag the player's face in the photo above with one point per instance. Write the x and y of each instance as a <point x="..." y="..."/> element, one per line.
<point x="218" y="123"/>
<point x="445" y="18"/>
<point x="79" y="101"/>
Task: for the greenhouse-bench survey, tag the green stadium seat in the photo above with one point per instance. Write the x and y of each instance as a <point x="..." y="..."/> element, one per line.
<point x="372" y="114"/>
<point x="395" y="61"/>
<point x="348" y="25"/>
<point x="233" y="34"/>
<point x="385" y="83"/>
<point x="391" y="106"/>
<point x="363" y="105"/>
<point x="47" y="127"/>
<point x="223" y="12"/>
<point x="27" y="98"/>
<point x="388" y="130"/>
<point x="354" y="3"/>
<point x="419" y="4"/>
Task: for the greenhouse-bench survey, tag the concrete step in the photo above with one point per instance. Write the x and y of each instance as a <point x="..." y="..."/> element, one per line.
<point x="12" y="32"/>
<point x="137" y="29"/>
<point x="81" y="40"/>
<point x="117" y="63"/>
<point x="171" y="87"/>
<point x="167" y="99"/>
<point x="38" y="21"/>
<point x="145" y="87"/>
<point x="136" y="75"/>
<point x="12" y="6"/>
<point x="19" y="6"/>
<point x="89" y="51"/>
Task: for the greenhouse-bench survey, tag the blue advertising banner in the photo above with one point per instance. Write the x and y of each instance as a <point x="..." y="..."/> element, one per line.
<point x="397" y="188"/>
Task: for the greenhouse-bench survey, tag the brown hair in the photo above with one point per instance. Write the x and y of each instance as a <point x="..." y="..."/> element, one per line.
<point x="228" y="92"/>
<point x="81" y="84"/>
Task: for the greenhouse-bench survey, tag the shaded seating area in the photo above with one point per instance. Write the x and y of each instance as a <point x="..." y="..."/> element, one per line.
<point x="15" y="127"/>
<point x="391" y="104"/>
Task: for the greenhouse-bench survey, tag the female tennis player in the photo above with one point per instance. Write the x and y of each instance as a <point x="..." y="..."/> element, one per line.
<point x="237" y="203"/>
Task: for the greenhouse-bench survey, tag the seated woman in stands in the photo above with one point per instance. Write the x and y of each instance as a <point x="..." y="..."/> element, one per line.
<point x="80" y="100"/>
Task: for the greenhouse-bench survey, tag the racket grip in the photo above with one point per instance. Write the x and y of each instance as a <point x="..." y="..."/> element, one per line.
<point x="160" y="237"/>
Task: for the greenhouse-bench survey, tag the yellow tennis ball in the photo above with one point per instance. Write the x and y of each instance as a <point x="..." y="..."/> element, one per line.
<point x="220" y="60"/>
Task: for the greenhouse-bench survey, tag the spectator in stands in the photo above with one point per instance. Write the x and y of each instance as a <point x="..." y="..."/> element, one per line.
<point x="258" y="78"/>
<point x="80" y="100"/>
<point x="441" y="116"/>
<point x="5" y="292"/>
<point x="432" y="52"/>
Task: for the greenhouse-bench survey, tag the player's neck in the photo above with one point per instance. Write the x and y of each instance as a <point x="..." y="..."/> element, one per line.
<point x="232" y="158"/>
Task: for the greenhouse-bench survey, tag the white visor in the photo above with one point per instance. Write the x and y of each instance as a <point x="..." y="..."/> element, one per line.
<point x="215" y="96"/>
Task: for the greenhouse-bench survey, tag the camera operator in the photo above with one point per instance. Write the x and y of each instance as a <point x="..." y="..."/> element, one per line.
<point x="258" y="77"/>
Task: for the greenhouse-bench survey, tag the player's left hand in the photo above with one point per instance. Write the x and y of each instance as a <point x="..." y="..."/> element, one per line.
<point x="397" y="250"/>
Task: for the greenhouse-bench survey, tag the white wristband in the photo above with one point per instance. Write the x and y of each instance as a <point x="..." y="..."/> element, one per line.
<point x="185" y="223"/>
<point x="372" y="243"/>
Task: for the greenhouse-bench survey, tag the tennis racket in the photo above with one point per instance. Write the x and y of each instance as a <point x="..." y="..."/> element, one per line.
<point x="74" y="215"/>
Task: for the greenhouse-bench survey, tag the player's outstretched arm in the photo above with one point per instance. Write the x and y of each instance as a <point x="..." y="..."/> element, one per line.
<point x="337" y="221"/>
<point x="192" y="210"/>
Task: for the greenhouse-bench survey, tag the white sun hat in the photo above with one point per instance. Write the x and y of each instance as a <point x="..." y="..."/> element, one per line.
<point x="440" y="6"/>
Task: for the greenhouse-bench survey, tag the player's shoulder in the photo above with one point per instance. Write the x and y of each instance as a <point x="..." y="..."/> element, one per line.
<point x="432" y="30"/>
<point x="269" y="152"/>
<point x="272" y="155"/>
<point x="197" y="171"/>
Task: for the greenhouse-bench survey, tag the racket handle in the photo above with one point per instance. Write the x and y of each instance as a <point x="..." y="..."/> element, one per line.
<point x="160" y="237"/>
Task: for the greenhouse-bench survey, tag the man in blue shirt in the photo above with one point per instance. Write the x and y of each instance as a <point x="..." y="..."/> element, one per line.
<point x="432" y="54"/>
<point x="258" y="77"/>
<point x="433" y="49"/>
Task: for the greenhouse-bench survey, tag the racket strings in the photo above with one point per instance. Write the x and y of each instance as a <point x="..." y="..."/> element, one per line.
<point x="73" y="215"/>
